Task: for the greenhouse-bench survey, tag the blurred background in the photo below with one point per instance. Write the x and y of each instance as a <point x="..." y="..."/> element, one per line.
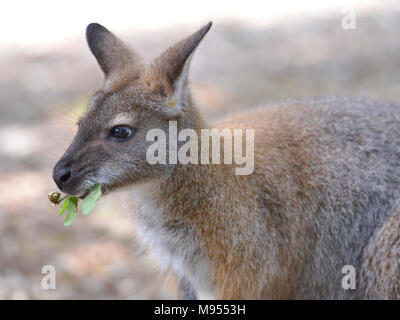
<point x="257" y="52"/>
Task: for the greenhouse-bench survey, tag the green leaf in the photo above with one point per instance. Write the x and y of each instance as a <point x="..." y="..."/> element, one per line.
<point x="64" y="206"/>
<point x="71" y="211"/>
<point x="90" y="200"/>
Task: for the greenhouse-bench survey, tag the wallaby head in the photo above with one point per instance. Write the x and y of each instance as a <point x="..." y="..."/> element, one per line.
<point x="110" y="145"/>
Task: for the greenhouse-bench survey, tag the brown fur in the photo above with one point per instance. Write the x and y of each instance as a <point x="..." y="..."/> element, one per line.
<point x="212" y="218"/>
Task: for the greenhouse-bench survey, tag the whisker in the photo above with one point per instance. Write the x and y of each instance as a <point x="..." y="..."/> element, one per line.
<point x="52" y="154"/>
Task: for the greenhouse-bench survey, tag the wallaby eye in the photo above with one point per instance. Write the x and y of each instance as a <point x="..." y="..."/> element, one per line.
<point x="121" y="133"/>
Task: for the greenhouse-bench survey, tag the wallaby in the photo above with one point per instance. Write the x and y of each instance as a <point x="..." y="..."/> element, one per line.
<point x="324" y="192"/>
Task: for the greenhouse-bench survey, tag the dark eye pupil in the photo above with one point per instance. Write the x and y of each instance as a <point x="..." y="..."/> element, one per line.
<point x="120" y="132"/>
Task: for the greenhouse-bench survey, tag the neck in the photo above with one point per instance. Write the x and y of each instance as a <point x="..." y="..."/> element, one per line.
<point x="192" y="118"/>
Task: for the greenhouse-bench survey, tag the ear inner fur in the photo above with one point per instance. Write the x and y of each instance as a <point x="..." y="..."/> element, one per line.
<point x="168" y="67"/>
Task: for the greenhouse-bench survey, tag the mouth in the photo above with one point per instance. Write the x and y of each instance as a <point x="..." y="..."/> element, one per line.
<point x="104" y="189"/>
<point x="84" y="194"/>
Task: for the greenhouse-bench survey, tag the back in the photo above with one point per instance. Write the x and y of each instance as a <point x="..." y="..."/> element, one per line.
<point x="329" y="169"/>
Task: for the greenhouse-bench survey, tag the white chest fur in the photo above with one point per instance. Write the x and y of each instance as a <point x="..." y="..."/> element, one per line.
<point x="173" y="243"/>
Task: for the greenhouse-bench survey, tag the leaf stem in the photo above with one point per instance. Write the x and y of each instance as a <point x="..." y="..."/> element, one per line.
<point x="59" y="201"/>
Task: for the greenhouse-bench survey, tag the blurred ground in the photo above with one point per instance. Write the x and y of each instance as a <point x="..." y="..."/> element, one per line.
<point x="236" y="67"/>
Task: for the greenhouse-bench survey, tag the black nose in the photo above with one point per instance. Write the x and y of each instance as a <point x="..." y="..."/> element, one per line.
<point x="61" y="176"/>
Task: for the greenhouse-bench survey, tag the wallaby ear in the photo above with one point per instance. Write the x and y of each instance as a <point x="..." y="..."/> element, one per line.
<point x="110" y="52"/>
<point x="171" y="68"/>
